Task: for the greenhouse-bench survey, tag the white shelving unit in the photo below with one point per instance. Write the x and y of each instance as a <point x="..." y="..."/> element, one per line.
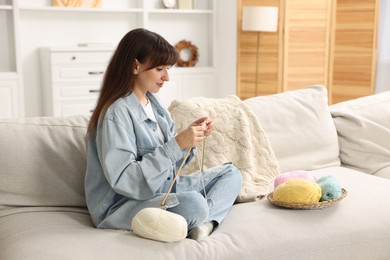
<point x="38" y="24"/>
<point x="149" y="14"/>
<point x="11" y="86"/>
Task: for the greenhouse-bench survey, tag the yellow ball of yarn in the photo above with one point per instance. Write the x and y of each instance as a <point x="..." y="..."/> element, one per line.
<point x="300" y="191"/>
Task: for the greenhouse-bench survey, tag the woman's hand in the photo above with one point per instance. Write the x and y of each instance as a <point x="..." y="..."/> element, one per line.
<point x="206" y="121"/>
<point x="195" y="133"/>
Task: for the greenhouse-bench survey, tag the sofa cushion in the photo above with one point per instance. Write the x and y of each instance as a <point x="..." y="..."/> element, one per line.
<point x="238" y="138"/>
<point x="363" y="127"/>
<point x="357" y="227"/>
<point x="300" y="128"/>
<point x="43" y="161"/>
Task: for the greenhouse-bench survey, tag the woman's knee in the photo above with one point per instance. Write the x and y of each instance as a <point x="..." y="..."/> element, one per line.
<point x="193" y="207"/>
<point x="235" y="175"/>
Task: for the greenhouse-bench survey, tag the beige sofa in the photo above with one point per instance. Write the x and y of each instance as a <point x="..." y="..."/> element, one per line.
<point x="43" y="212"/>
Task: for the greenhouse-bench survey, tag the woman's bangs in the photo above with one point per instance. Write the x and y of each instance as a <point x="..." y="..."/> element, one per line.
<point x="164" y="55"/>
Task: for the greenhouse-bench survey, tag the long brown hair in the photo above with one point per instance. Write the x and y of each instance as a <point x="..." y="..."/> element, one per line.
<point x="139" y="44"/>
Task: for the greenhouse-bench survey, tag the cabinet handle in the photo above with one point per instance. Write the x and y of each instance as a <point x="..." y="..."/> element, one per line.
<point x="95" y="72"/>
<point x="94" y="91"/>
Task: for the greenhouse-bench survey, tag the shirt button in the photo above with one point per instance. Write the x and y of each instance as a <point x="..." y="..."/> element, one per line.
<point x="169" y="178"/>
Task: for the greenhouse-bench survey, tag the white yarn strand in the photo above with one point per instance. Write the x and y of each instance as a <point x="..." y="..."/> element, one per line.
<point x="200" y="164"/>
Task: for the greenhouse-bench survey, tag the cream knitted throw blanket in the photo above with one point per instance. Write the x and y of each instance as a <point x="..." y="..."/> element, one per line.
<point x="237" y="137"/>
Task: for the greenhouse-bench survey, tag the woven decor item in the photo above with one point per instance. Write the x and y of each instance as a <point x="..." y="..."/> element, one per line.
<point x="318" y="205"/>
<point x="193" y="51"/>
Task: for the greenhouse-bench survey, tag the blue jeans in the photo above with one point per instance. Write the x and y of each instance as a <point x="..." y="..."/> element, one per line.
<point x="188" y="199"/>
<point x="198" y="204"/>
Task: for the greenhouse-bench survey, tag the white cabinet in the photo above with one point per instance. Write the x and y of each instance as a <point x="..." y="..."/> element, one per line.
<point x="72" y="78"/>
<point x="11" y="92"/>
<point x="8" y="95"/>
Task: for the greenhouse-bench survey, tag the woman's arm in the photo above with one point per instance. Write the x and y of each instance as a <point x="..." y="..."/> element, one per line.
<point x="137" y="178"/>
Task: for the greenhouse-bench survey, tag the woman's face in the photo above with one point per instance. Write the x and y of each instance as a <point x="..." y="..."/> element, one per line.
<point x="151" y="80"/>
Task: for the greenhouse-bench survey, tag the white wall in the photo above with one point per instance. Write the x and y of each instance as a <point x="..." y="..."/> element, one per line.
<point x="383" y="65"/>
<point x="227" y="47"/>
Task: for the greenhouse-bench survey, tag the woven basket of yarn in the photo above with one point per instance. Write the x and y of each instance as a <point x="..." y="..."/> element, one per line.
<point x="318" y="205"/>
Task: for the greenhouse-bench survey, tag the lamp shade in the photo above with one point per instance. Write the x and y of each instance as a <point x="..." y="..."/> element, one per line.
<point x="260" y="18"/>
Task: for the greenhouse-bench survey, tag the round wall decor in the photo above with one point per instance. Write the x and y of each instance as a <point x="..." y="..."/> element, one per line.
<point x="188" y="54"/>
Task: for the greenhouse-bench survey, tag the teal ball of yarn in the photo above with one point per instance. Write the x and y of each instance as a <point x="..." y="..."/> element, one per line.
<point x="330" y="188"/>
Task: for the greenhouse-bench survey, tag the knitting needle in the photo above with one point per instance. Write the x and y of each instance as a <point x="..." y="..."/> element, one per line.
<point x="181" y="166"/>
<point x="174" y="179"/>
<point x="204" y="124"/>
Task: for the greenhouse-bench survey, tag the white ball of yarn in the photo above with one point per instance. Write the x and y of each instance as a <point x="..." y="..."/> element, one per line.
<point x="158" y="224"/>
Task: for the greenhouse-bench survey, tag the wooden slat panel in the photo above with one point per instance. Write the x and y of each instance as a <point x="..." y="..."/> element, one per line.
<point x="354" y="49"/>
<point x="306" y="48"/>
<point x="329" y="42"/>
<point x="270" y="55"/>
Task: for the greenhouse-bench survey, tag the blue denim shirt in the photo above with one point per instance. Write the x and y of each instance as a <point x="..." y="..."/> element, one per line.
<point x="127" y="166"/>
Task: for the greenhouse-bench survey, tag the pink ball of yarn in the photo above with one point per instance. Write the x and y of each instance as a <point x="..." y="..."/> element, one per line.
<point x="299" y="174"/>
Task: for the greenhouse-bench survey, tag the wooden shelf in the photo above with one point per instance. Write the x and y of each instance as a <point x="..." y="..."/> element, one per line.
<point x="111" y="10"/>
<point x="89" y="10"/>
<point x="179" y="11"/>
<point x="5" y="7"/>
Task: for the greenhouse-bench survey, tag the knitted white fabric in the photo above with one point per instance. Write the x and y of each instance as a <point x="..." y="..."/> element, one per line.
<point x="237" y="137"/>
<point x="158" y="224"/>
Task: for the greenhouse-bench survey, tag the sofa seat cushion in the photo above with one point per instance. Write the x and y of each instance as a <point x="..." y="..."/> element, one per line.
<point x="357" y="227"/>
<point x="43" y="161"/>
<point x="299" y="127"/>
<point x="363" y="127"/>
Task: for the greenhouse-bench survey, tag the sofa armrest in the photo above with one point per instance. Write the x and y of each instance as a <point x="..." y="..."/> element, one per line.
<point x="363" y="128"/>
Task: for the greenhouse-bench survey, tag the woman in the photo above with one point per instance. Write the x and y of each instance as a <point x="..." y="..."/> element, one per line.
<point x="134" y="153"/>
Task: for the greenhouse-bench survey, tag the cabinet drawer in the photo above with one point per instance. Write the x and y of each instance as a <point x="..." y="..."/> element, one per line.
<point x="5" y="100"/>
<point x="80" y="57"/>
<point x="79" y="92"/>
<point x="78" y="73"/>
<point x="75" y="109"/>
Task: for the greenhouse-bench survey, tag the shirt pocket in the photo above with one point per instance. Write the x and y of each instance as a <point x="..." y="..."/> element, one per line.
<point x="146" y="141"/>
<point x="141" y="152"/>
